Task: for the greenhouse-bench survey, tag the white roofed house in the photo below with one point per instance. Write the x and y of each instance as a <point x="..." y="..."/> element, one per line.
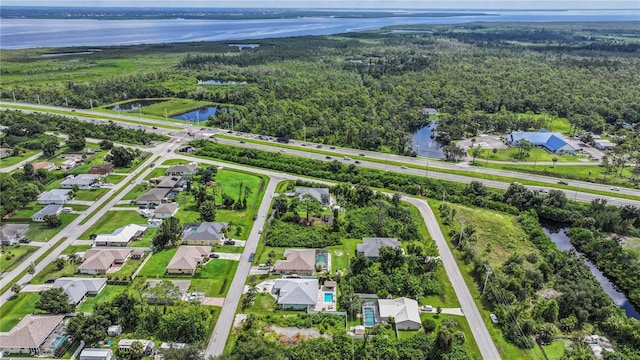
<point x="121" y="236"/>
<point x="296" y="294"/>
<point x="47" y="210"/>
<point x="56" y="196"/>
<point x="166" y="210"/>
<point x="79" y="288"/>
<point x="96" y="354"/>
<point x="404" y="311"/>
<point x="182" y="170"/>
<point x="83" y="181"/>
<point x="30" y="334"/>
<point x="124" y="345"/>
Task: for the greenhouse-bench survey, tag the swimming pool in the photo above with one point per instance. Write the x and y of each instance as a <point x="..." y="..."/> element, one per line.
<point x="369" y="316"/>
<point x="328" y="297"/>
<point x="321" y="259"/>
<point x="59" y="341"/>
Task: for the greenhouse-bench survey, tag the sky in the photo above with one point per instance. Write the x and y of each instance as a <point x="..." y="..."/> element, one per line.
<point x="389" y="4"/>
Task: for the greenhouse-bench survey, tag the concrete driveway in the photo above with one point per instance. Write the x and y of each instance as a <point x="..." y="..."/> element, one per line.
<point x="227" y="256"/>
<point x="36" y="288"/>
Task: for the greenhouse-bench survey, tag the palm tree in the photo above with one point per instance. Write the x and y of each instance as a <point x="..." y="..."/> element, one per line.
<point x="555" y="160"/>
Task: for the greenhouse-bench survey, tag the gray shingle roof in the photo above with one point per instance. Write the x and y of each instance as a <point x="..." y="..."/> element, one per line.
<point x="370" y="247"/>
<point x="155" y="194"/>
<point x="297" y="291"/>
<point x="9" y="231"/>
<point x="182" y="169"/>
<point x="80" y="180"/>
<point x="207" y="231"/>
<point x="77" y="288"/>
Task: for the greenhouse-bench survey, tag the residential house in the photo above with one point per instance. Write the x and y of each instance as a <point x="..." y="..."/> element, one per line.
<point x="121" y="236"/>
<point x="183" y="286"/>
<point x="552" y="142"/>
<point x="598" y="344"/>
<point x="404" y="311"/>
<point x="166" y="182"/>
<point x="47" y="210"/>
<point x="296" y="294"/>
<point x="370" y="247"/>
<point x="166" y="210"/>
<point x="105" y="169"/>
<point x="297" y="261"/>
<point x="182" y="170"/>
<point x="429" y="111"/>
<point x="604" y="144"/>
<point x="11" y="233"/>
<point x="114" y="330"/>
<point x="320" y="194"/>
<point x="153" y="196"/>
<point x="70" y="164"/>
<point x="5" y="152"/>
<point x="154" y="223"/>
<point x="30" y="334"/>
<point x="124" y="346"/>
<point x="79" y="288"/>
<point x="206" y="233"/>
<point x="82" y="181"/>
<point x="99" y="261"/>
<point x="43" y="165"/>
<point x="187" y="258"/>
<point x="56" y="196"/>
<point x="96" y="354"/>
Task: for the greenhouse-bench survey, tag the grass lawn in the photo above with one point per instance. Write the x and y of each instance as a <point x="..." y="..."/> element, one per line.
<point x="536" y="154"/>
<point x="114" y="179"/>
<point x="76" y="248"/>
<point x="112" y="221"/>
<point x="51" y="272"/>
<point x="14" y="255"/>
<point x="264" y="255"/>
<point x="341" y="255"/>
<point x="90" y="194"/>
<point x="12" y="160"/>
<point x="130" y="266"/>
<point x="229" y="249"/>
<point x="107" y="294"/>
<point x="264" y="304"/>
<point x="210" y="287"/>
<point x="42" y="232"/>
<point x="16" y="308"/>
<point x="555" y="350"/>
<point x="229" y="183"/>
<point x="506" y="349"/>
<point x="631" y="243"/>
<point x="157" y="172"/>
<point x="174" y="107"/>
<point x="55" y="184"/>
<point x="77" y="207"/>
<point x="146" y="239"/>
<point x="157" y="265"/>
<point x="136" y="191"/>
<point x="216" y="278"/>
<point x="447" y="297"/>
<point x="172" y="162"/>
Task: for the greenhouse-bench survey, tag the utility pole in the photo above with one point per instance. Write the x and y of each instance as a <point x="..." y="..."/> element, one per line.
<point x="461" y="231"/>
<point x="91" y="103"/>
<point x="489" y="272"/>
<point x="443" y="194"/>
<point x="14" y="96"/>
<point x="165" y="113"/>
<point x="304" y="129"/>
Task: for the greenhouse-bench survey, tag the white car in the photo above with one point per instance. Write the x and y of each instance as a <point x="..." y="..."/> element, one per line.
<point x="615" y="188"/>
<point x="260" y="231"/>
<point x="283" y="150"/>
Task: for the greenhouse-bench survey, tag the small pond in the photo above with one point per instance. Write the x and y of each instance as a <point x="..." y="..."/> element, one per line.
<point x="134" y="105"/>
<point x="559" y="237"/>
<point x="242" y="46"/>
<point x="220" y="82"/>
<point x="425" y="144"/>
<point x="198" y="115"/>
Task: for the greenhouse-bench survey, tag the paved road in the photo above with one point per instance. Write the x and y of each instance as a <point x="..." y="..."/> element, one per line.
<point x="225" y="320"/>
<point x="478" y="327"/>
<point x="75" y="229"/>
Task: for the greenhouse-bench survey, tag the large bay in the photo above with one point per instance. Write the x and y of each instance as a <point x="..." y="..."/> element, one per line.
<point x="32" y="33"/>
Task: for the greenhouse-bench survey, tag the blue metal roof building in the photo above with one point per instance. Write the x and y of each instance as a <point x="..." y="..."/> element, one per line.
<point x="552" y="142"/>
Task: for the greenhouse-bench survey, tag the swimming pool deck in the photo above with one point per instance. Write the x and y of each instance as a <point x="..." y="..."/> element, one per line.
<point x="376" y="312"/>
<point x="321" y="305"/>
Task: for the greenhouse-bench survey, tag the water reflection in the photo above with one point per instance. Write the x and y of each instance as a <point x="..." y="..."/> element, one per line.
<point x="425" y="144"/>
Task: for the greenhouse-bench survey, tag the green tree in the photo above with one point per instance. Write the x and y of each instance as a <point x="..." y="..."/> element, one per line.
<point x="453" y="152"/>
<point x="189" y="353"/>
<point x="310" y="205"/>
<point x="208" y="211"/>
<point x="128" y="308"/>
<point x="92" y="329"/>
<point x="31" y="269"/>
<point x="52" y="220"/>
<point x="105" y="144"/>
<point x="76" y="142"/>
<point x="120" y="156"/>
<point x="524" y="148"/>
<point x="59" y="263"/>
<point x="54" y="301"/>
<point x="280" y="206"/>
<point x="186" y="323"/>
<point x="15" y="288"/>
<point x="429" y="325"/>
<point x="207" y="174"/>
<point x="137" y="350"/>
<point x="28" y="170"/>
<point x="169" y="233"/>
<point x="49" y="147"/>
<point x="390" y="258"/>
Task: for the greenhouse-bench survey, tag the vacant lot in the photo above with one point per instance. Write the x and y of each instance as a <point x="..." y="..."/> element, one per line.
<point x="14" y="255"/>
<point x="107" y="294"/>
<point x="16" y="308"/>
<point x="42" y="232"/>
<point x="157" y="265"/>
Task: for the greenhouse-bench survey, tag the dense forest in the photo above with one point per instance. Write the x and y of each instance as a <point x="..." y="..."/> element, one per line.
<point x="366" y="90"/>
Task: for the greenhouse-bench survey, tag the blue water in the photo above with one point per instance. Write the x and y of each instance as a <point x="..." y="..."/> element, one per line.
<point x="560" y="238"/>
<point x="369" y="316"/>
<point x="321" y="260"/>
<point x="59" y="341"/>
<point x="21" y="33"/>
<point x="328" y="297"/>
<point x="424" y="145"/>
<point x="197" y="115"/>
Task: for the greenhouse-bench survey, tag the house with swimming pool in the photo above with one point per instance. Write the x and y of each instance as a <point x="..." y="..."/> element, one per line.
<point x="303" y="262"/>
<point x="34" y="335"/>
<point x="404" y="311"/>
<point x="296" y="293"/>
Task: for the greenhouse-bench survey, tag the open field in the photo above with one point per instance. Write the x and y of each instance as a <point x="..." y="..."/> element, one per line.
<point x="16" y="308"/>
<point x="535" y="155"/>
<point x="91" y="194"/>
<point x="173" y="107"/>
<point x="51" y="272"/>
<point x="112" y="221"/>
<point x="12" y="160"/>
<point x="13" y="255"/>
<point x="107" y="294"/>
<point x="157" y="265"/>
<point x="42" y="232"/>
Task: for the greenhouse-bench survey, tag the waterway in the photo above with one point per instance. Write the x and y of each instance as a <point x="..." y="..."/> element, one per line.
<point x="198" y="115"/>
<point x="425" y="144"/>
<point x="559" y="237"/>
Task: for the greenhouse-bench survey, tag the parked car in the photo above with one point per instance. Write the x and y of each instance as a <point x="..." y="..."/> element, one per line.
<point x="357" y="162"/>
<point x="426" y="308"/>
<point x="319" y="147"/>
<point x="25" y="240"/>
<point x="255" y="217"/>
<point x="264" y="267"/>
<point x="152" y="207"/>
<point x="260" y="231"/>
<point x="229" y="242"/>
<point x="615" y="188"/>
<point x="328" y="157"/>
<point x="332" y="147"/>
<point x="153" y="127"/>
<point x="142" y="207"/>
<point x="494" y="318"/>
<point x="283" y="150"/>
<point x="50" y="281"/>
<point x="403" y="167"/>
<point x="214" y="256"/>
<point x="361" y="154"/>
<point x="241" y="142"/>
